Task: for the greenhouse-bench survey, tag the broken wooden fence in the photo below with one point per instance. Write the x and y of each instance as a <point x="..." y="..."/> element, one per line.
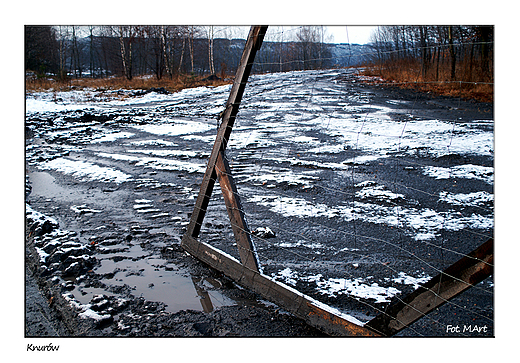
<point x="460" y="276"/>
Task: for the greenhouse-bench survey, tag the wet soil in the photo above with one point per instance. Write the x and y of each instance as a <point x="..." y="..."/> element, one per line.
<point x="103" y="247"/>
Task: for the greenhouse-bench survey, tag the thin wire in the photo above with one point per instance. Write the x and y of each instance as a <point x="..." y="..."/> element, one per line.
<point x="368" y="237"/>
<point x="371" y="257"/>
<point x="355" y="234"/>
<point x="377" y="53"/>
<point x="442" y="248"/>
<point x="304" y="257"/>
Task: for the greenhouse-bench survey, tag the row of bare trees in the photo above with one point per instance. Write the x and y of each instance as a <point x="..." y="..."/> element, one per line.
<point x="120" y="50"/>
<point x="165" y="51"/>
<point x="463" y="53"/>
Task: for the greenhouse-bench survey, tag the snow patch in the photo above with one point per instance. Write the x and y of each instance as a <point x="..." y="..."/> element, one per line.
<point x="113" y="136"/>
<point x="470" y="199"/>
<point x="176" y="128"/>
<point x="405" y="279"/>
<point x="86" y="170"/>
<point x="158" y="163"/>
<point x="468" y="171"/>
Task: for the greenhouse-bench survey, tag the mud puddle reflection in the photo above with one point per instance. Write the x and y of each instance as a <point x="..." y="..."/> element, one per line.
<point x="155" y="279"/>
<point x="124" y="264"/>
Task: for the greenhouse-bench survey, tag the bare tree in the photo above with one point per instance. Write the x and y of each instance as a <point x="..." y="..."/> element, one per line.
<point x="167" y="60"/>
<point x="310" y="43"/>
<point x="184" y="36"/>
<point x="41" y="49"/>
<point x="211" y="35"/>
<point x="75" y="58"/>
<point x="190" y="45"/>
<point x="452" y="53"/>
<point x="62" y="72"/>
<point x="127" y="36"/>
<point x="91" y="51"/>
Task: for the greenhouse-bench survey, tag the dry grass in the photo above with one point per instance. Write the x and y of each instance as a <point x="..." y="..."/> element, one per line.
<point x="114" y="83"/>
<point x="409" y="76"/>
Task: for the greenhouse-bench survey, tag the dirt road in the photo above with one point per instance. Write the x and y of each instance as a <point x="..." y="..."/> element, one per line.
<point x="368" y="190"/>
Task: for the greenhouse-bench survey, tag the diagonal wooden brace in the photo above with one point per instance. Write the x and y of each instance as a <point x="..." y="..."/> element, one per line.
<point x="218" y="166"/>
<point x="312" y="312"/>
<point x="253" y="43"/>
<point x="241" y="231"/>
<point x="457" y="278"/>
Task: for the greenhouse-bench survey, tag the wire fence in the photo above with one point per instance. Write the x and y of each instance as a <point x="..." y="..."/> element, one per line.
<point x="355" y="195"/>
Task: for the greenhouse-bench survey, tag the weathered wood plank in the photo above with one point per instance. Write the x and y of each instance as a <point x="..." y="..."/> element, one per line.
<point x="236" y="215"/>
<point x="247" y="273"/>
<point x="253" y="43"/>
<point x="302" y="306"/>
<point x="457" y="278"/>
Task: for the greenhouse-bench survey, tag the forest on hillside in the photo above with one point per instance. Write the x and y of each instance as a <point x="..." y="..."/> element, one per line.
<point x="164" y="51"/>
<point x="436" y="57"/>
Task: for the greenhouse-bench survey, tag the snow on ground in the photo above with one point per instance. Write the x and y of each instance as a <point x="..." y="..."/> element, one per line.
<point x="356" y="287"/>
<point x="57" y="101"/>
<point x="422" y="223"/>
<point x="175" y="128"/>
<point x="461" y="171"/>
<point x="471" y="199"/>
<point x="85" y="170"/>
<point x="292" y="128"/>
<point x="158" y="163"/>
<point x="33" y="105"/>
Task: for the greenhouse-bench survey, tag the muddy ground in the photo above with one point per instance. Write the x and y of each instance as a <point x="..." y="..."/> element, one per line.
<point x="109" y="194"/>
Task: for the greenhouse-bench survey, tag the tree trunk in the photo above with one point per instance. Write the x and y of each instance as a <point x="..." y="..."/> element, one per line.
<point x="123" y="51"/>
<point x="452" y="53"/>
<point x="182" y="54"/>
<point x="129" y="62"/>
<point x="424" y="58"/>
<point x="210" y="50"/>
<point x="91" y="54"/>
<point x="165" y="53"/>
<point x="62" y="72"/>
<point x="190" y="44"/>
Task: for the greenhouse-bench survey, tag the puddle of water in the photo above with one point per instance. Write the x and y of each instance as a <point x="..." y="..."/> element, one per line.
<point x="150" y="276"/>
<point x="84" y="295"/>
<point x="154" y="279"/>
<point x="44" y="185"/>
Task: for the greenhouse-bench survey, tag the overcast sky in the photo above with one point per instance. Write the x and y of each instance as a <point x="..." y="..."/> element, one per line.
<point x="351" y="34"/>
<point x="339" y="34"/>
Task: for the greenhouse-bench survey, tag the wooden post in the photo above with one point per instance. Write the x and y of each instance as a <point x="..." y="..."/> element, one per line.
<point x="241" y="231"/>
<point x="313" y="313"/>
<point x="253" y="43"/>
<point x="457" y="278"/>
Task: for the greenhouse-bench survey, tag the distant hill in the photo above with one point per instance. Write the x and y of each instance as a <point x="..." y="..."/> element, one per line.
<point x="101" y="56"/>
<point x="345" y="55"/>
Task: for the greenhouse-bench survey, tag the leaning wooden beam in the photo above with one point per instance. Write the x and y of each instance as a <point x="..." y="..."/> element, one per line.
<point x="457" y="278"/>
<point x="253" y="43"/>
<point x="247" y="273"/>
<point x="246" y="248"/>
<point x="311" y="311"/>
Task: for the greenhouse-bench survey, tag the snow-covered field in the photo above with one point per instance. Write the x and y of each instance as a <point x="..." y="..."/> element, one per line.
<point x="368" y="192"/>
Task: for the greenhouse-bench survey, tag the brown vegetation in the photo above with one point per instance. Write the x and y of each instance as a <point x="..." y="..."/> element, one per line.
<point x="410" y="76"/>
<point x="176" y="83"/>
<point x="448" y="60"/>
